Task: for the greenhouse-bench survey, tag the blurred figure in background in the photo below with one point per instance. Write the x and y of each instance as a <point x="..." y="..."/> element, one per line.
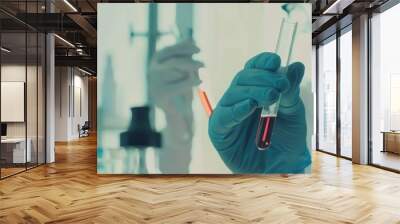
<point x="172" y="75"/>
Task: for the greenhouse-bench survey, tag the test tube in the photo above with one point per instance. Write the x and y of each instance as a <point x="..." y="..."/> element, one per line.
<point x="286" y="38"/>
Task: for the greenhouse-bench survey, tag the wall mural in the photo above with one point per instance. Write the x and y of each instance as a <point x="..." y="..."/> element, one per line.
<point x="192" y="88"/>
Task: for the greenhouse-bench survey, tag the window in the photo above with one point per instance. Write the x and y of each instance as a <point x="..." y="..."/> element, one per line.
<point x="327" y="97"/>
<point x="346" y="94"/>
<point x="385" y="89"/>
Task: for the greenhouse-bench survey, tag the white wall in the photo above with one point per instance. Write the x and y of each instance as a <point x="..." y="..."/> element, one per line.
<point x="71" y="87"/>
<point x="79" y="117"/>
<point x="16" y="73"/>
<point x="12" y="73"/>
<point x="61" y="103"/>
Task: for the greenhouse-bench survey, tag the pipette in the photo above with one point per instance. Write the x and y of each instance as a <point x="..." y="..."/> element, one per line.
<point x="205" y="101"/>
<point x="284" y="46"/>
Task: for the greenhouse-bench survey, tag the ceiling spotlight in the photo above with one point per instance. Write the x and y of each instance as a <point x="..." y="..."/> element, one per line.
<point x="79" y="51"/>
<point x="5" y="50"/>
<point x="337" y="7"/>
<point x="70" y="5"/>
<point x="84" y="71"/>
<point x="65" y="41"/>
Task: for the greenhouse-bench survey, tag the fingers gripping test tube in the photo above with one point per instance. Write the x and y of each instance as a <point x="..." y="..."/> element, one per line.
<point x="284" y="46"/>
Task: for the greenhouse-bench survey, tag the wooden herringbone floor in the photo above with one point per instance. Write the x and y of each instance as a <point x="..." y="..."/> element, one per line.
<point x="69" y="191"/>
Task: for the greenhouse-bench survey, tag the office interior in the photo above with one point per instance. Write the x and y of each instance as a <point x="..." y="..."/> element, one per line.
<point x="335" y="90"/>
<point x="49" y="91"/>
<point x="32" y="117"/>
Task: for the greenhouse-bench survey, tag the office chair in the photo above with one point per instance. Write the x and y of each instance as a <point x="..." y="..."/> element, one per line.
<point x="84" y="130"/>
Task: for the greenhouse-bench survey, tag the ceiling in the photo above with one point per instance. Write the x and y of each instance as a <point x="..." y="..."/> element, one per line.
<point x="76" y="22"/>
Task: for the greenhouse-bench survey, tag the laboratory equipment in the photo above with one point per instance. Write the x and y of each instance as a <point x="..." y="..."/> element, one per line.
<point x="140" y="135"/>
<point x="284" y="46"/>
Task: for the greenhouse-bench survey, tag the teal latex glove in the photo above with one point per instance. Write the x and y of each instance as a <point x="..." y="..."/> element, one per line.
<point x="233" y="124"/>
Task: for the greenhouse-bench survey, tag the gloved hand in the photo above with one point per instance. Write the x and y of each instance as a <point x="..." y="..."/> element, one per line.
<point x="172" y="75"/>
<point x="233" y="124"/>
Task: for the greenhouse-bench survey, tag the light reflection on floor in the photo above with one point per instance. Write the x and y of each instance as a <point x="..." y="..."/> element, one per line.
<point x="386" y="159"/>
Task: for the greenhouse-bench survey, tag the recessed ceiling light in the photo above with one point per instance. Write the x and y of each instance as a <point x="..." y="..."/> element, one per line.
<point x="64" y="40"/>
<point x="333" y="6"/>
<point x="84" y="71"/>
<point x="70" y="5"/>
<point x="5" y="50"/>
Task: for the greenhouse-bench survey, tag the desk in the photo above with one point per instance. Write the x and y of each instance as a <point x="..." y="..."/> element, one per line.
<point x="391" y="141"/>
<point x="15" y="148"/>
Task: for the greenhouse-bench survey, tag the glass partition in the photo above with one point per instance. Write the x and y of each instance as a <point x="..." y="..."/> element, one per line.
<point x="22" y="91"/>
<point x="14" y="151"/>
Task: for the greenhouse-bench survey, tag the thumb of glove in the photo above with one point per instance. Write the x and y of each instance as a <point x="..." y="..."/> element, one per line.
<point x="291" y="97"/>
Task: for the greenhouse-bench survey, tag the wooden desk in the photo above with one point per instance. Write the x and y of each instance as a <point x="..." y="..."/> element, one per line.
<point x="13" y="150"/>
<point x="391" y="141"/>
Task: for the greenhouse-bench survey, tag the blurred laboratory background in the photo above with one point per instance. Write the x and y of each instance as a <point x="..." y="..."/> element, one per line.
<point x="226" y="35"/>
